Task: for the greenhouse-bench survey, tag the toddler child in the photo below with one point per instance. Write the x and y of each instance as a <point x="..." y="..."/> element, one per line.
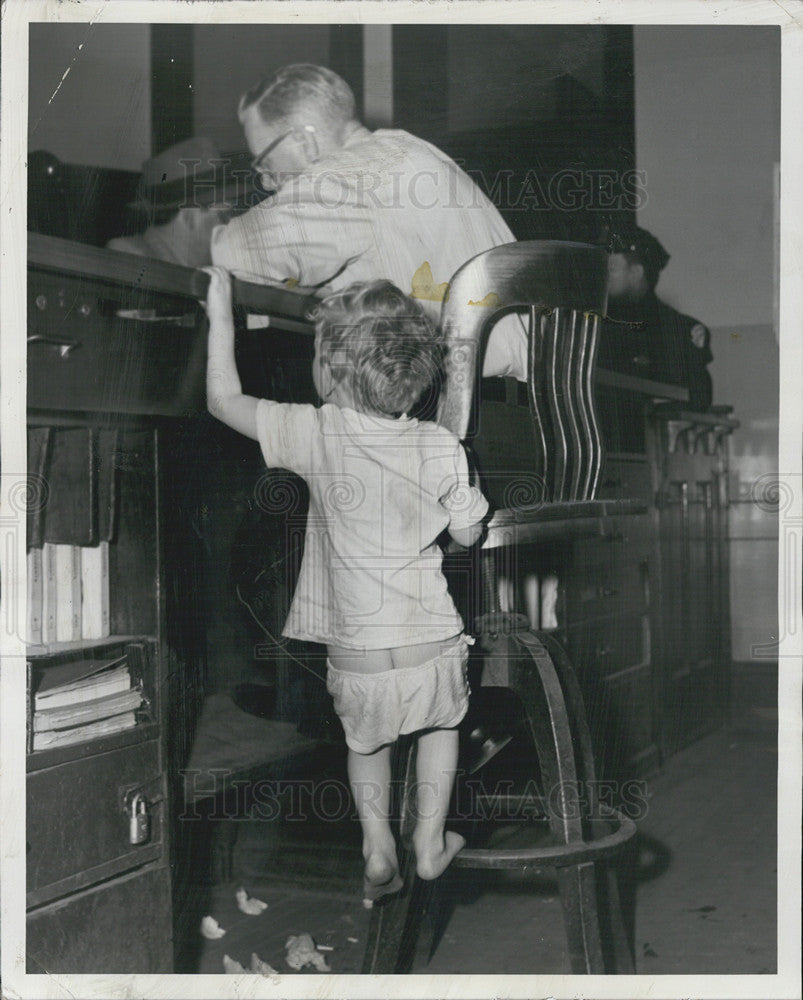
<point x="383" y="487"/>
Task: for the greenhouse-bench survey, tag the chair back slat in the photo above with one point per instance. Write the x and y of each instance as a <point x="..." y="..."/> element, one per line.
<point x="578" y="444"/>
<point x="540" y="411"/>
<point x="591" y="325"/>
<point x="562" y="286"/>
<point x="556" y="357"/>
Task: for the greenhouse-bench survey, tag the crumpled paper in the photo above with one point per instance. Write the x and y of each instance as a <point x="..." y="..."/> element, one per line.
<point x="211" y="929"/>
<point x="301" y="951"/>
<point x="258" y="968"/>
<point x="248" y="904"/>
<point x="232" y="967"/>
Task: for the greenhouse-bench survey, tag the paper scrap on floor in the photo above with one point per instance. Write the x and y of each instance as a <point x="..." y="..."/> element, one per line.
<point x="301" y="951"/>
<point x="211" y="929"/>
<point x="248" y="904"/>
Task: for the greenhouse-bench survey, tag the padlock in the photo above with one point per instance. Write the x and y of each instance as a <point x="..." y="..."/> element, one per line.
<point x="139" y="828"/>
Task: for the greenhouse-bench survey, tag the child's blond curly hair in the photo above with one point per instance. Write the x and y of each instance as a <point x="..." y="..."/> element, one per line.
<point x="382" y="342"/>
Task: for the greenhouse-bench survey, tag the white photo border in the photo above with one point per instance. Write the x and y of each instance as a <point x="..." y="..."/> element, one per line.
<point x="17" y="14"/>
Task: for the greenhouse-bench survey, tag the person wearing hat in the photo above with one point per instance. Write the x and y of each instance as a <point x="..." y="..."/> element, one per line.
<point x="185" y="192"/>
<point x="642" y="335"/>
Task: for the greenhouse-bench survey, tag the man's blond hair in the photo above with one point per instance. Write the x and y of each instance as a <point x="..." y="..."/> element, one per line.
<point x="299" y="89"/>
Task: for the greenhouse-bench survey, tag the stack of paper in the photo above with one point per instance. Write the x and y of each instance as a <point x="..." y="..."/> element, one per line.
<point x="81" y="700"/>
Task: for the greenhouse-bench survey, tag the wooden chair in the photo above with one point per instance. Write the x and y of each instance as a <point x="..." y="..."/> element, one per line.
<point x="562" y="287"/>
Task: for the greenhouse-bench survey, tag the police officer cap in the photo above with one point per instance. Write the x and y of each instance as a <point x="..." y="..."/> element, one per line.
<point x="641" y="244"/>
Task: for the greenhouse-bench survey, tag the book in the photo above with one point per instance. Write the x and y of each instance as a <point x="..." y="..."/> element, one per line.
<point x="68" y="593"/>
<point x="106" y="468"/>
<point x="28" y="705"/>
<point x="71" y="515"/>
<point x="38" y="456"/>
<point x="80" y="713"/>
<point x="33" y="598"/>
<point x="111" y="682"/>
<point x="95" y="591"/>
<point x="78" y="734"/>
<point x="81" y="680"/>
<point x="48" y="593"/>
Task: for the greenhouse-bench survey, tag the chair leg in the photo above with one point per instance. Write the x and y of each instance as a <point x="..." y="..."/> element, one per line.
<point x="578" y="895"/>
<point x="579" y="887"/>
<point x="532" y="676"/>
<point x="621" y="950"/>
<point x="575" y="707"/>
<point x="395" y="922"/>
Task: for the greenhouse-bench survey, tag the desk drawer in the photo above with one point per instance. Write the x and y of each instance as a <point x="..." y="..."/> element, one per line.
<point x="82" y="356"/>
<point x="625" y="478"/>
<point x="122" y="926"/>
<point x="610" y="645"/>
<point x="606" y="578"/>
<point x="605" y="591"/>
<point x="78" y="831"/>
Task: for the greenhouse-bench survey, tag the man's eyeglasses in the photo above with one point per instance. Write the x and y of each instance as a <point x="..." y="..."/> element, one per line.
<point x="258" y="163"/>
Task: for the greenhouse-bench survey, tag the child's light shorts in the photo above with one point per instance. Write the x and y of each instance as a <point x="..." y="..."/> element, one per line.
<point x="376" y="709"/>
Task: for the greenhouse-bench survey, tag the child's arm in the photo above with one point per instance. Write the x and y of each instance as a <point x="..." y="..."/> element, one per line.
<point x="224" y="392"/>
<point x="466" y="536"/>
<point x="465" y="503"/>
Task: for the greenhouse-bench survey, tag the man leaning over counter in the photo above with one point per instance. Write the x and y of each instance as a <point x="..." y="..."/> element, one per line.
<point x="350" y="204"/>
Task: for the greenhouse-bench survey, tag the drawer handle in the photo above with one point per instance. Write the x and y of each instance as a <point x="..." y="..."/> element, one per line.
<point x="65" y="346"/>
<point x="608" y="591"/>
<point x="150" y="316"/>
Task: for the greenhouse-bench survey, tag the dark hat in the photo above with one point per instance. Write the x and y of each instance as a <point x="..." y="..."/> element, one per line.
<point x="192" y="173"/>
<point x="641" y="244"/>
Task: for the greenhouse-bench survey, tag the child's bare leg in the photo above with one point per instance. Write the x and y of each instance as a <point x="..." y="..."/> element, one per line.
<point x="436" y="763"/>
<point x="369" y="775"/>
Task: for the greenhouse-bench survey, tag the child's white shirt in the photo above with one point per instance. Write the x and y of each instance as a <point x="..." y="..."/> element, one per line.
<point x="381" y="492"/>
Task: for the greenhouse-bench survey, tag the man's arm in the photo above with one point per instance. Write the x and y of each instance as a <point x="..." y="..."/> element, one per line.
<point x="287" y="237"/>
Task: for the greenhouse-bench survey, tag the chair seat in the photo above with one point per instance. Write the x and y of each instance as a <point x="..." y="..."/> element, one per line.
<point x="581" y="518"/>
<point x="566" y="511"/>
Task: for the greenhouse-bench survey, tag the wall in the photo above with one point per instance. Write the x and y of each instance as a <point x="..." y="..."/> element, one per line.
<point x="228" y="59"/>
<point x="98" y="77"/>
<point x="378" y="75"/>
<point x="508" y="75"/>
<point x="101" y="112"/>
<point x="707" y="135"/>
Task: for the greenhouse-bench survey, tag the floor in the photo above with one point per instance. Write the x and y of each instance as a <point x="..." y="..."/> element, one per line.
<point x="700" y="892"/>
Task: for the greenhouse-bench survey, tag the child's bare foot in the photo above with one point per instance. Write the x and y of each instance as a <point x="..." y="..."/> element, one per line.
<point x="372" y="891"/>
<point x="381" y="878"/>
<point x="432" y="859"/>
<point x="380" y="867"/>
